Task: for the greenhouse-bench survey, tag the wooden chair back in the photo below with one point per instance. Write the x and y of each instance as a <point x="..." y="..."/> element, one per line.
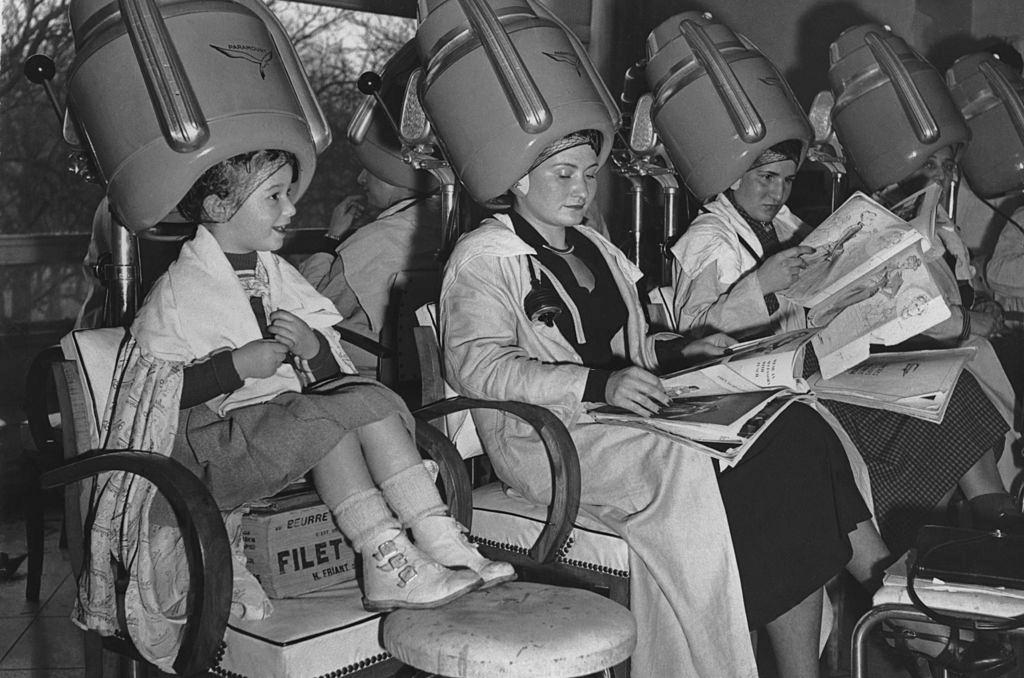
<point x="400" y="369"/>
<point x="660" y="308"/>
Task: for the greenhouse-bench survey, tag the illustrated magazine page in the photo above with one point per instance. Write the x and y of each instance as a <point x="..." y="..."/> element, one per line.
<point x="867" y="283"/>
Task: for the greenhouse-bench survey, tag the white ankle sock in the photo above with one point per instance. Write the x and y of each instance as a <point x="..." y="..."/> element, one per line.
<point x="412" y="495"/>
<point x="363" y="516"/>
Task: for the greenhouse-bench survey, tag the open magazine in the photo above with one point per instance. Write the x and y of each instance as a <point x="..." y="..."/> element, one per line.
<point x="915" y="383"/>
<point x="721" y="405"/>
<point x="722" y="426"/>
<point x="867" y="282"/>
<point x="769" y="363"/>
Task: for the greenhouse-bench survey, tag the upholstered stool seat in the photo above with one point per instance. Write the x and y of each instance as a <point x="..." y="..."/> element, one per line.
<point x="517" y="630"/>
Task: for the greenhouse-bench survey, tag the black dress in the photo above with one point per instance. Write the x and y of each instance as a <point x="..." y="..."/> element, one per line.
<point x="791" y="504"/>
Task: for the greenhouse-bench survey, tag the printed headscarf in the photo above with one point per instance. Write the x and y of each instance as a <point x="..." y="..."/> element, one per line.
<point x="791" y="149"/>
<point x="584" y="137"/>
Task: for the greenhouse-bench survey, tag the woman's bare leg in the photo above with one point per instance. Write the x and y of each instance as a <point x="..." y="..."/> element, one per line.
<point x="982" y="478"/>
<point x="794" y="637"/>
<point x="870" y="554"/>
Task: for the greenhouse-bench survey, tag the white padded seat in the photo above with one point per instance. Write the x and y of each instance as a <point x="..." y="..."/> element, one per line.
<point x="503" y="519"/>
<point x="326" y="633"/>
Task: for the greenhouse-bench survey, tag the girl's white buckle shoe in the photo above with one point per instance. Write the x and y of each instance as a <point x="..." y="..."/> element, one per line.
<point x="444" y="540"/>
<point x="397" y="574"/>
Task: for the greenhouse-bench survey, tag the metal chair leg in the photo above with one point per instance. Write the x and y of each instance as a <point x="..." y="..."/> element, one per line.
<point x="34" y="537"/>
<point x="866" y="624"/>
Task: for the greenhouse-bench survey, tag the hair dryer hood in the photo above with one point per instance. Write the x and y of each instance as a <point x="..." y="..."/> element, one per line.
<point x="211" y="80"/>
<point x="503" y="79"/>
<point x="718" y="102"/>
<point x="373" y="136"/>
<point x="892" y="108"/>
<point x="381" y="154"/>
<point x="990" y="95"/>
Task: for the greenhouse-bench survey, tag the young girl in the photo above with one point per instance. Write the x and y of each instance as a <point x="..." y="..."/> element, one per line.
<point x="251" y="332"/>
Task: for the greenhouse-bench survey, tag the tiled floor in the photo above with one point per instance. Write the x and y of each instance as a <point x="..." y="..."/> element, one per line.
<point x="38" y="640"/>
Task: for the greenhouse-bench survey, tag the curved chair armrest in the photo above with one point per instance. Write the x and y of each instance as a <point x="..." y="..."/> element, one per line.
<point x="206" y="543"/>
<point x="565" y="464"/>
<point x="452" y="469"/>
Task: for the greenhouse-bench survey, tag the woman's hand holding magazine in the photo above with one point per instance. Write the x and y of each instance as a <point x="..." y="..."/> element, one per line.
<point x="720" y="405"/>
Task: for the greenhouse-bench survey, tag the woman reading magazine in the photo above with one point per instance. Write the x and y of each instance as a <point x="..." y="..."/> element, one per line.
<point x="734" y="261"/>
<point x="712" y="554"/>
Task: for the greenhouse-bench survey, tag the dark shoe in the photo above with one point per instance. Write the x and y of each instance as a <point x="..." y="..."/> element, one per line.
<point x="996" y="511"/>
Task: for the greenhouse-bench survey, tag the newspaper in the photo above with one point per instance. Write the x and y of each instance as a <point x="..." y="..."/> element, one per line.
<point x="770" y="363"/>
<point x="867" y="283"/>
<point x="915" y="383"/>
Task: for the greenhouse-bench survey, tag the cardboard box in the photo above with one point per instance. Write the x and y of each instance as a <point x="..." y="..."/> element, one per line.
<point x="292" y="546"/>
